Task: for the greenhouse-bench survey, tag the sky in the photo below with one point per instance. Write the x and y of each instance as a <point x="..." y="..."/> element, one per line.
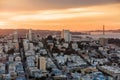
<point x="75" y="15"/>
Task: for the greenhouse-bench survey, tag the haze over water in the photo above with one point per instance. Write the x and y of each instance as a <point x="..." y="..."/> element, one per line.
<point x="97" y="35"/>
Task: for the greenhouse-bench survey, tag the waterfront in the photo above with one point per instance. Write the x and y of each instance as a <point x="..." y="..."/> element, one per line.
<point x="97" y="35"/>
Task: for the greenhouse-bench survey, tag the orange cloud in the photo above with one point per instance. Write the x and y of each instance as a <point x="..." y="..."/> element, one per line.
<point x="80" y="18"/>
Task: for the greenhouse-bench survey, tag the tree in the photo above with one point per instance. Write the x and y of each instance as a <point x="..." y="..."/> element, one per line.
<point x="49" y="37"/>
<point x="62" y="40"/>
<point x="55" y="50"/>
<point x="11" y="51"/>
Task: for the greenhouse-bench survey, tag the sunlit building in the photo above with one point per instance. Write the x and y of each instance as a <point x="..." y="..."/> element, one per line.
<point x="42" y="63"/>
<point x="26" y="44"/>
<point x="15" y="36"/>
<point x="30" y="35"/>
<point x="65" y="34"/>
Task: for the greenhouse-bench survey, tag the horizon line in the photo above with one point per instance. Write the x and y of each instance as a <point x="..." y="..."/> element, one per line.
<point x="57" y="30"/>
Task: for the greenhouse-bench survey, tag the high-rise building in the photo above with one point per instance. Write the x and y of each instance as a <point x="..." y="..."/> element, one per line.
<point x="30" y="35"/>
<point x="15" y="36"/>
<point x="16" y="45"/>
<point x="26" y="44"/>
<point x="31" y="46"/>
<point x="65" y="34"/>
<point x="42" y="63"/>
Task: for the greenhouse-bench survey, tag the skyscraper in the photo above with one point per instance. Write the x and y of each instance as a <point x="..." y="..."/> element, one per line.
<point x="26" y="44"/>
<point x="42" y="63"/>
<point x="15" y="40"/>
<point x="30" y="35"/>
<point x="15" y="36"/>
<point x="65" y="34"/>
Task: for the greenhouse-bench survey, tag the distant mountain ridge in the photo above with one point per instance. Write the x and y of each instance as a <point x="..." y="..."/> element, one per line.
<point x="114" y="31"/>
<point x="47" y="32"/>
<point x="40" y="32"/>
<point x="24" y="31"/>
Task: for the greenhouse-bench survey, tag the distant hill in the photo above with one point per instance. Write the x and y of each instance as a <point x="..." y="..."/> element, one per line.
<point x="24" y="31"/>
<point x="40" y="32"/>
<point x="47" y="32"/>
<point x="114" y="31"/>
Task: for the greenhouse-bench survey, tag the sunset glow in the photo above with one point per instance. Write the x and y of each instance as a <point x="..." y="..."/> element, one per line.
<point x="73" y="18"/>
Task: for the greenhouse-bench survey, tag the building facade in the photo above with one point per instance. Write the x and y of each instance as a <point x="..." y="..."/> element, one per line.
<point x="66" y="35"/>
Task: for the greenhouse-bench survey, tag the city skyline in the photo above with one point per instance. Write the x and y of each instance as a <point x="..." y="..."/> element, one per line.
<point x="57" y="15"/>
